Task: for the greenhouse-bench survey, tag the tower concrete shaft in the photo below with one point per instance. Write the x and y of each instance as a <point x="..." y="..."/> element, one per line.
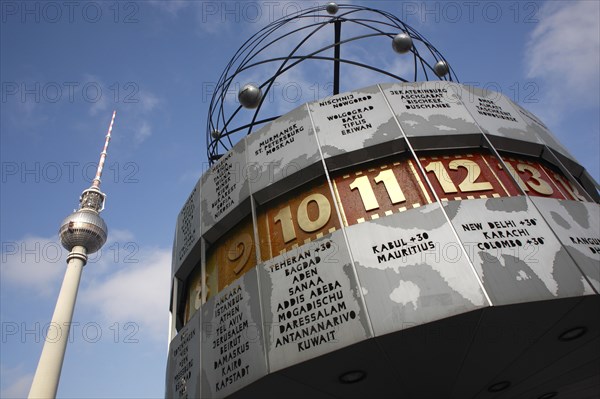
<point x="47" y="375"/>
<point x="82" y="232"/>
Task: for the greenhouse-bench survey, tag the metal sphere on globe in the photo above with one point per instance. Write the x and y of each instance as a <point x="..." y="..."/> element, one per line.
<point x="402" y="43"/>
<point x="249" y="96"/>
<point x="84" y="228"/>
<point x="215" y="134"/>
<point x="441" y="68"/>
<point x="332" y="8"/>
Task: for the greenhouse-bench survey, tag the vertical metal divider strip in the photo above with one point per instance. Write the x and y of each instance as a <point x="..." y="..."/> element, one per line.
<point x="494" y="151"/>
<point x="203" y="275"/>
<point x="342" y="226"/>
<point x="566" y="171"/>
<point x="495" y="175"/>
<point x="204" y="288"/>
<point x="527" y="196"/>
<point x="416" y="159"/>
<point x="560" y="165"/>
<point x="203" y="278"/>
<point x="174" y="292"/>
<point x="562" y="190"/>
<point x="437" y="198"/>
<point x="258" y="259"/>
<point x="173" y="316"/>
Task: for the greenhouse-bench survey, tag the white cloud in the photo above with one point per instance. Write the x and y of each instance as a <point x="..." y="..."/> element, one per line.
<point x="135" y="106"/>
<point x="191" y="175"/>
<point x="564" y="53"/>
<point x="95" y="92"/>
<point x="18" y="381"/>
<point x="143" y="132"/>
<point x="149" y="101"/>
<point x="229" y="16"/>
<point x="138" y="293"/>
<point x="35" y="263"/>
<point x="138" y="114"/>
<point x="172" y="7"/>
<point x="117" y="235"/>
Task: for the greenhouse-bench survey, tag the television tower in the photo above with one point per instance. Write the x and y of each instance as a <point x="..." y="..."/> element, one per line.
<point x="82" y="232"/>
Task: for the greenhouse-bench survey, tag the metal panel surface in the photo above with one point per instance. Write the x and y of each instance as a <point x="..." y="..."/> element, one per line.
<point x="281" y="148"/>
<point x="496" y="116"/>
<point x="188" y="229"/>
<point x="311" y="302"/>
<point x="353" y="121"/>
<point x="502" y="336"/>
<point x="517" y="256"/>
<point x="412" y="270"/>
<point x="429" y="109"/>
<point x="183" y="364"/>
<point x="577" y="226"/>
<point x="549" y="364"/>
<point x="542" y="131"/>
<point x="428" y="352"/>
<point x="232" y="340"/>
<point x="224" y="186"/>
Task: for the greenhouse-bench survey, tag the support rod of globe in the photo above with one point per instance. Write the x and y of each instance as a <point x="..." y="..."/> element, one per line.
<point x="337" y="25"/>
<point x="47" y="375"/>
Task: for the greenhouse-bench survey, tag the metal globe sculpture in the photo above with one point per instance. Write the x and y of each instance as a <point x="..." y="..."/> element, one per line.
<point x="441" y="68"/>
<point x="323" y="246"/>
<point x="275" y="55"/>
<point x="332" y="8"/>
<point x="402" y="43"/>
<point x="250" y="96"/>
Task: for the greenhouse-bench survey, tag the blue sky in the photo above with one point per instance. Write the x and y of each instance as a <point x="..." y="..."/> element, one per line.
<point x="65" y="66"/>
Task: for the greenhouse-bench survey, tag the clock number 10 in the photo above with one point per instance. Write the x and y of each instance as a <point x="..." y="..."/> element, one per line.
<point x="284" y="216"/>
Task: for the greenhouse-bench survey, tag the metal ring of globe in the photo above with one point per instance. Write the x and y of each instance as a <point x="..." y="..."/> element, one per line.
<point x="265" y="50"/>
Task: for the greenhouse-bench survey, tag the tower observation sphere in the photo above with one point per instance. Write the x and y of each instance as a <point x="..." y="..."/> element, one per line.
<point x="84" y="228"/>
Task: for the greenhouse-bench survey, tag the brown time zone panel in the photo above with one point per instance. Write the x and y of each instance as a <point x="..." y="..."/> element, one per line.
<point x="296" y="218"/>
<point x="463" y="176"/>
<point x="230" y="257"/>
<point x="193" y="293"/>
<point x="537" y="179"/>
<point x="380" y="189"/>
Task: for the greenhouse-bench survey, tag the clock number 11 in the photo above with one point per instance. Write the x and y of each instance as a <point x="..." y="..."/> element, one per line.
<point x="367" y="194"/>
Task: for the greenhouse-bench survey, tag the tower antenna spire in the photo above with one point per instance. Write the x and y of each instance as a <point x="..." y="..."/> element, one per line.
<point x="96" y="182"/>
<point x="93" y="198"/>
<point x="81" y="233"/>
